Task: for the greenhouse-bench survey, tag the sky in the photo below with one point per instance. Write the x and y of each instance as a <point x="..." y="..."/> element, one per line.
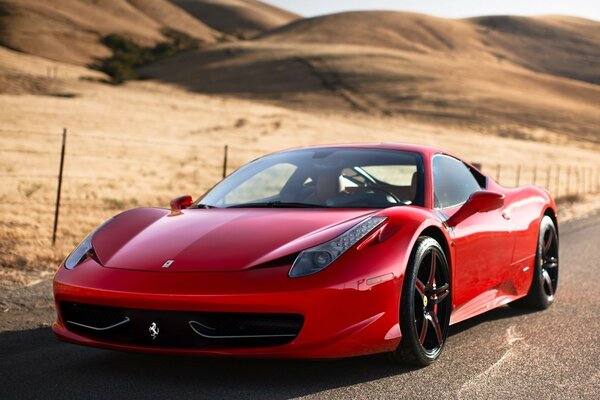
<point x="448" y="8"/>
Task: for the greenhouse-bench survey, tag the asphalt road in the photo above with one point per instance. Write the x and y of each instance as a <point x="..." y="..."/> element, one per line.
<point x="502" y="354"/>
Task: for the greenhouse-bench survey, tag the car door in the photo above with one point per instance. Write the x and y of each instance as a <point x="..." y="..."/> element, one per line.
<point x="483" y="244"/>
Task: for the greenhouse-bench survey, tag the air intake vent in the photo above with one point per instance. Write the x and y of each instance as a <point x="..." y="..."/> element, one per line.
<point x="181" y="329"/>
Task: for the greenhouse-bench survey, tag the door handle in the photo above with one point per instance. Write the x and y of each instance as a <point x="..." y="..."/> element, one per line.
<point x="506" y="215"/>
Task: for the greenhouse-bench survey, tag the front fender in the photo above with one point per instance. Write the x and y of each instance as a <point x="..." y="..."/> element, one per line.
<point x="409" y="223"/>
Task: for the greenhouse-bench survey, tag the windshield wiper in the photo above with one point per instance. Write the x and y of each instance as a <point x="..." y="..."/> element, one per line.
<point x="203" y="206"/>
<point x="277" y="204"/>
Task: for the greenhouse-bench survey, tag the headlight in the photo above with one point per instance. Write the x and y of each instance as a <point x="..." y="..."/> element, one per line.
<point x="317" y="258"/>
<point x="83" y="250"/>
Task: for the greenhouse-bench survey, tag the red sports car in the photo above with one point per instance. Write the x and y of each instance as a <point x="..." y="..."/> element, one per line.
<point x="327" y="251"/>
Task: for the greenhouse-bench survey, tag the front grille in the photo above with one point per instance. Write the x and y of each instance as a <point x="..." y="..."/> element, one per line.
<point x="181" y="329"/>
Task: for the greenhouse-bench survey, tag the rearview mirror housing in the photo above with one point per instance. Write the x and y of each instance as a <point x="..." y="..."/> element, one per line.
<point x="479" y="202"/>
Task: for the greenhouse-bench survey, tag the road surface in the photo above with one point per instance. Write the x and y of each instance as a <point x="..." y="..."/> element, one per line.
<point x="502" y="354"/>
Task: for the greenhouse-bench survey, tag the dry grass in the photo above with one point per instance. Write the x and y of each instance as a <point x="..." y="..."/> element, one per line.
<point x="578" y="206"/>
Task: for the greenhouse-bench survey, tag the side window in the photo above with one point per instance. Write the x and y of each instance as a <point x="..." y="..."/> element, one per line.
<point x="453" y="182"/>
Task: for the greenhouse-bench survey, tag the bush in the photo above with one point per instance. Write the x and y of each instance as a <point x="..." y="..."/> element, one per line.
<point x="119" y="70"/>
<point x="127" y="55"/>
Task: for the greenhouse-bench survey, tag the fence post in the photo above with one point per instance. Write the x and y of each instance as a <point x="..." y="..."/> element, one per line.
<point x="58" y="190"/>
<point x="535" y="174"/>
<point x="225" y="150"/>
<point x="548" y="177"/>
<point x="518" y="175"/>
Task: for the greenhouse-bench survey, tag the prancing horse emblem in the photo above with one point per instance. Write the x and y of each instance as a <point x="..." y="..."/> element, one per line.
<point x="153" y="330"/>
<point x="168" y="263"/>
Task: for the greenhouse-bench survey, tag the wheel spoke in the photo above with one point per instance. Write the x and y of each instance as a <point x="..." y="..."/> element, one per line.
<point x="548" y="282"/>
<point x="440" y="293"/>
<point x="550" y="262"/>
<point x="547" y="243"/>
<point x="435" y="323"/>
<point x="420" y="287"/>
<point x="440" y="289"/>
<point x="431" y="278"/>
<point x="423" y="331"/>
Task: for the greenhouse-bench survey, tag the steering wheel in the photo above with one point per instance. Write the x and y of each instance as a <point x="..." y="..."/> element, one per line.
<point x="365" y="190"/>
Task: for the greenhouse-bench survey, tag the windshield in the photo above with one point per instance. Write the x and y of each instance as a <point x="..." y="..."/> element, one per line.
<point x="325" y="177"/>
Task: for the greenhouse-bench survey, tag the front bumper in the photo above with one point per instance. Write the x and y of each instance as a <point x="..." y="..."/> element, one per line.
<point x="344" y="314"/>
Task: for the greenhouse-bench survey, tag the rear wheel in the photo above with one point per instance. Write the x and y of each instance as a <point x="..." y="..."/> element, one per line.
<point x="425" y="305"/>
<point x="545" y="275"/>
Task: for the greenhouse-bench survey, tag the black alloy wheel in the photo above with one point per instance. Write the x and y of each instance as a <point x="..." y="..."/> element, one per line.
<point x="425" y="305"/>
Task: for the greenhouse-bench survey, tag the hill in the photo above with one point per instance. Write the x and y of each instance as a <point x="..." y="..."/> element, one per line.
<point x="70" y="30"/>
<point x="563" y="46"/>
<point x="539" y="76"/>
<point x="557" y="45"/>
<point x="241" y="18"/>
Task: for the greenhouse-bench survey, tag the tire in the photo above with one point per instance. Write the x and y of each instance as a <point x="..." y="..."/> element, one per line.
<point x="425" y="305"/>
<point x="543" y="287"/>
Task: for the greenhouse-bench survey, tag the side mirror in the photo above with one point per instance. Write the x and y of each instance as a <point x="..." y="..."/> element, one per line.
<point x="479" y="202"/>
<point x="180" y="203"/>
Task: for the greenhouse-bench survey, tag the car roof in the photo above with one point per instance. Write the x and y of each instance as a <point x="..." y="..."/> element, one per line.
<point x="415" y="148"/>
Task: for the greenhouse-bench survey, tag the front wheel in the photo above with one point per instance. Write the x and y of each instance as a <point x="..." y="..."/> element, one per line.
<point x="425" y="305"/>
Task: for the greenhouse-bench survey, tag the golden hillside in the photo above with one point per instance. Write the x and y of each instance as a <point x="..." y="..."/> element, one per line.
<point x="534" y="78"/>
<point x="241" y="18"/>
<point x="70" y="30"/>
<point x="558" y="45"/>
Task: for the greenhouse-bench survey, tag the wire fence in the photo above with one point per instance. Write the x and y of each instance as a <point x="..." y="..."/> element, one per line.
<point x="564" y="181"/>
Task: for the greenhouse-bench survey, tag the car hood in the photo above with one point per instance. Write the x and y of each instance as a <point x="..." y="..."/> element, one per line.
<point x="215" y="239"/>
